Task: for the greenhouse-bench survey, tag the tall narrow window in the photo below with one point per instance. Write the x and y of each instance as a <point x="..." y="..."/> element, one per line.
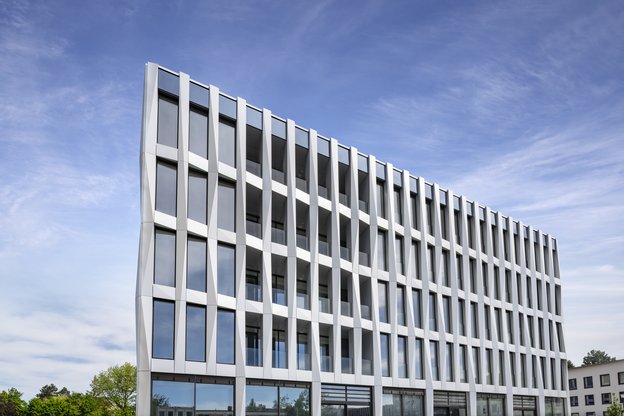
<point x="461" y="305"/>
<point x="446" y="306"/>
<point x="166" y="196"/>
<point x="197" y="192"/>
<point x="398" y="254"/>
<point x="510" y="331"/>
<point x="226" y="211"/>
<point x="227" y="142"/>
<point x="382" y="289"/>
<point x="488" y="366"/>
<point x="433" y="350"/>
<point x="163" y="329"/>
<point x="398" y="206"/>
<point x="416" y="304"/>
<point x="418" y="368"/>
<point x="400" y="305"/>
<point x="443" y="222"/>
<point x="463" y="373"/>
<point x="196" y="264"/>
<point x="226" y="264"/>
<point x="385" y="354"/>
<point x="198" y="132"/>
<point x="473" y="275"/>
<point x="279" y="348"/>
<point x="164" y="257"/>
<point x="449" y="361"/>
<point x="381" y="199"/>
<point x="195" y="333"/>
<point x="382" y="258"/>
<point x="476" y="365"/>
<point x="225" y="336"/>
<point x="402" y="356"/>
<point x="429" y="216"/>
<point x="167" y="122"/>
<point x="433" y="321"/>
<point x="446" y="275"/>
<point x="431" y="265"/>
<point x="475" y="319"/>
<point x="460" y="271"/>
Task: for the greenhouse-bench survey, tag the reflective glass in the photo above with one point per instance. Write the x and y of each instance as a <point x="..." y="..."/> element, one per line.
<point x="278" y="128"/>
<point x="391" y="405"/>
<point x="198" y="133"/>
<point x="169" y="396"/>
<point x="413" y="405"/>
<point x="199" y="95"/>
<point x="198" y="186"/>
<point x="164" y="258"/>
<point x="254" y="118"/>
<point x="195" y="333"/>
<point x="225" y="337"/>
<point x="225" y="269"/>
<point x="418" y="370"/>
<point x="167" y="122"/>
<point x="261" y="400"/>
<point x="227" y="106"/>
<point x="385" y="355"/>
<point x="168" y="82"/>
<point x="196" y="264"/>
<point x="294" y="401"/>
<point x="227" y="143"/>
<point x="214" y="399"/>
<point x="226" y="211"/>
<point x="382" y="289"/>
<point x="163" y="327"/>
<point x="166" y="196"/>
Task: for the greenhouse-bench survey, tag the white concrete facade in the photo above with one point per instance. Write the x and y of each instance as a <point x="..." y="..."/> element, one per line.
<point x="515" y="340"/>
<point x="595" y="383"/>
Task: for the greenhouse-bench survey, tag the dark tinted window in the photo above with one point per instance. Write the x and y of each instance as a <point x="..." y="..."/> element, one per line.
<point x="197" y="190"/>
<point x="225" y="337"/>
<point x="195" y="333"/>
<point x="227" y="143"/>
<point x="196" y="264"/>
<point x="163" y="328"/>
<point x="167" y="122"/>
<point x="164" y="257"/>
<point x="198" y="133"/>
<point x="166" y="196"/>
<point x="225" y="269"/>
<point x="226" y="211"/>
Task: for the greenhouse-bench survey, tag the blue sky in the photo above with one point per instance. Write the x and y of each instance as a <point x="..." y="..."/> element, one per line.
<point x="518" y="105"/>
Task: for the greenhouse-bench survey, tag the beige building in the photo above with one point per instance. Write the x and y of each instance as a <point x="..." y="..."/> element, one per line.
<point x="592" y="388"/>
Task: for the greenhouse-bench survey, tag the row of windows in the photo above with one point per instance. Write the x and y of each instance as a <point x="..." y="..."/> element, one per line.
<point x="606" y="398"/>
<point x="195" y="350"/>
<point x="588" y="382"/>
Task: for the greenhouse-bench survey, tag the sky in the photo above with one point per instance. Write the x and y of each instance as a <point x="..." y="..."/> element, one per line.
<point x="517" y="105"/>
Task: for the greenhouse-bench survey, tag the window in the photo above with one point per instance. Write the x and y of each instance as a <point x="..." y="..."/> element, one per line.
<point x="449" y="362"/>
<point x="572" y="384"/>
<point x="398" y="206"/>
<point x="433" y="321"/>
<point x="381" y="201"/>
<point x="418" y="369"/>
<point x="621" y="377"/>
<point x="574" y="401"/>
<point x="225" y="336"/>
<point x="279" y="349"/>
<point x="446" y="276"/>
<point x="400" y="305"/>
<point x="400" y="403"/>
<point x="196" y="264"/>
<point x="279" y="289"/>
<point x="463" y="377"/>
<point x="167" y="122"/>
<point x="429" y="216"/>
<point x="227" y="142"/>
<point x="385" y="354"/>
<point x="277" y="399"/>
<point x="433" y="350"/>
<point x="588" y="382"/>
<point x="446" y="306"/>
<point x="416" y="304"/>
<point x="226" y="264"/>
<point x="459" y="271"/>
<point x="382" y="288"/>
<point x="197" y="191"/>
<point x="402" y="356"/>
<point x="605" y="380"/>
<point x="472" y="269"/>
<point x="462" y="317"/>
<point x="443" y="222"/>
<point x="164" y="257"/>
<point x="198" y="132"/>
<point x="166" y="196"/>
<point x="163" y="329"/>
<point x="476" y="365"/>
<point x="382" y="263"/>
<point x="431" y="265"/>
<point x="195" y="333"/>
<point x="205" y="397"/>
<point x="510" y="327"/>
<point x="475" y="319"/>
<point x="226" y="211"/>
<point x="589" y="400"/>
<point x="606" y="398"/>
<point x="489" y="379"/>
<point x="398" y="253"/>
<point x="253" y="342"/>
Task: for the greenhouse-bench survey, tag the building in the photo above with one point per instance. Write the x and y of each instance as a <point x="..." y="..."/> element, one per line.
<point x="592" y="387"/>
<point x="281" y="271"/>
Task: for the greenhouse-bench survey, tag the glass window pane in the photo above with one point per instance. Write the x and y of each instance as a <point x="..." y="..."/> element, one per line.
<point x="225" y="337"/>
<point x="261" y="400"/>
<point x="382" y="289"/>
<point x="413" y="405"/>
<point x="391" y="405"/>
<point x="225" y="269"/>
<point x="195" y="333"/>
<point x="198" y="133"/>
<point x="385" y="355"/>
<point x="166" y="196"/>
<point x="226" y="211"/>
<point x="197" y="192"/>
<point x="162" y="330"/>
<point x="216" y="398"/>
<point x="164" y="258"/>
<point x="294" y="401"/>
<point x="227" y="106"/>
<point x="227" y="143"/>
<point x="199" y="95"/>
<point x="167" y="122"/>
<point x="196" y="265"/>
<point x="418" y="359"/>
<point x="167" y="395"/>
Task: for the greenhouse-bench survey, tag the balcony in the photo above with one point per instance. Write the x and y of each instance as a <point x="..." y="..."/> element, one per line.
<point x="278" y="234"/>
<point x="254" y="357"/>
<point x="302" y="241"/>
<point x="323" y="191"/>
<point x="303" y="301"/>
<point x="324" y="305"/>
<point x="347" y="365"/>
<point x="364" y="259"/>
<point x="366" y="312"/>
<point x="254" y="292"/>
<point x="302" y="184"/>
<point x="323" y="247"/>
<point x="254" y="228"/>
<point x="345" y="308"/>
<point x="343" y="199"/>
<point x="327" y="364"/>
<point x="363" y="206"/>
<point x="279" y="176"/>
<point x="254" y="167"/>
<point x="345" y="253"/>
<point x="367" y="367"/>
<point x="303" y="361"/>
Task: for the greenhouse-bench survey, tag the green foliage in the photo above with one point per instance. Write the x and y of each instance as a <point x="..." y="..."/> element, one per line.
<point x="11" y="403"/>
<point x="615" y="408"/>
<point x="571" y="364"/>
<point x="596" y="357"/>
<point x="117" y="387"/>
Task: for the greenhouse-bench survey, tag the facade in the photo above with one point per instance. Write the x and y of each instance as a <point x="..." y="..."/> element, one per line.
<point x="282" y="272"/>
<point x="592" y="388"/>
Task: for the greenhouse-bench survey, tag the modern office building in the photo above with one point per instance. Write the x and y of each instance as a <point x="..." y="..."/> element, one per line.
<point x="281" y="272"/>
<point x="593" y="388"/>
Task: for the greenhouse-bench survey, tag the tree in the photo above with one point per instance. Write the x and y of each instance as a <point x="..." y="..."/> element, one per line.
<point x="571" y="364"/>
<point x="615" y="408"/>
<point x="596" y="357"/>
<point x="11" y="403"/>
<point x="117" y="387"/>
<point x="47" y="391"/>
